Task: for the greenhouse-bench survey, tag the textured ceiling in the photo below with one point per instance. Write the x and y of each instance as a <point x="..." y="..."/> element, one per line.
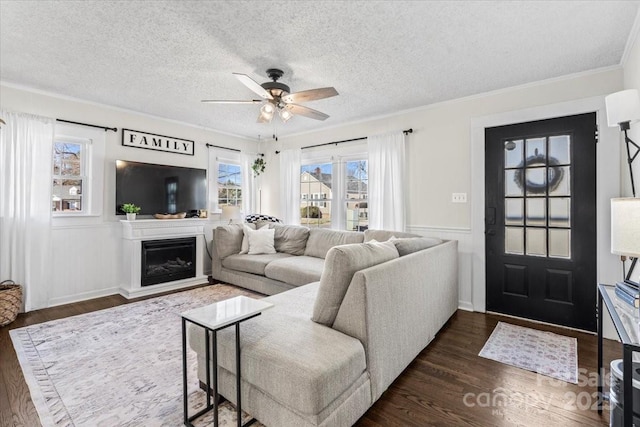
<point x="163" y="57"/>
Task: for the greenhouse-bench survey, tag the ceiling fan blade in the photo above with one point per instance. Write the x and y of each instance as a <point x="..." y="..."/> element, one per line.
<point x="310" y="95"/>
<point x="223" y="101"/>
<point x="301" y="110"/>
<point x="253" y="85"/>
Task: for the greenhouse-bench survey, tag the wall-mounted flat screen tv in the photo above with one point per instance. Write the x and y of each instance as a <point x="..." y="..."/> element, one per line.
<point x="160" y="189"/>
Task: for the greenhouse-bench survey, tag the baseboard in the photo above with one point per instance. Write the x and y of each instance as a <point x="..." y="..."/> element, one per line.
<point x="53" y="302"/>
<point x="163" y="287"/>
<point x="465" y="305"/>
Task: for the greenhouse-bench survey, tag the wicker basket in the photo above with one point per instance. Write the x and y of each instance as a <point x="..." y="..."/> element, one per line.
<point x="10" y="301"/>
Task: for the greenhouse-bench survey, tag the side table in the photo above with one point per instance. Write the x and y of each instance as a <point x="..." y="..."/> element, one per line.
<point x="213" y="318"/>
<point x="627" y="330"/>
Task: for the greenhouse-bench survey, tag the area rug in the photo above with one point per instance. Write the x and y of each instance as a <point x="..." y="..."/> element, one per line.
<point x="117" y="367"/>
<point x="542" y="352"/>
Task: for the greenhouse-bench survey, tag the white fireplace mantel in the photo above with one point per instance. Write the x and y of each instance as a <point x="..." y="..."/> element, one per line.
<point x="135" y="232"/>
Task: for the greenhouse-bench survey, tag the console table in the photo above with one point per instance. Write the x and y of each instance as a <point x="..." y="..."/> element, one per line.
<point x="213" y="318"/>
<point x="627" y="329"/>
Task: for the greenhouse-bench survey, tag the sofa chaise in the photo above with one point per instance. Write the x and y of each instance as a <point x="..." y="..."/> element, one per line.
<point x="327" y="350"/>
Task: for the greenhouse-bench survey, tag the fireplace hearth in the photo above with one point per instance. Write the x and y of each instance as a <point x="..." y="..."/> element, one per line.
<point x="168" y="260"/>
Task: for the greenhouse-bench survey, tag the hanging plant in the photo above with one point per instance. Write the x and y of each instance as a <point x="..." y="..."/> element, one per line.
<point x="258" y="166"/>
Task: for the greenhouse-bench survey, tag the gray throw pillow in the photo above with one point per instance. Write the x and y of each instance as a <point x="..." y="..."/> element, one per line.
<point x="414" y="244"/>
<point x="322" y="239"/>
<point x="228" y="239"/>
<point x="290" y="239"/>
<point x="341" y="264"/>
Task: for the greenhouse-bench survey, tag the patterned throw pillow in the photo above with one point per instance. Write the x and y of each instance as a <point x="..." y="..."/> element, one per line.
<point x="253" y="218"/>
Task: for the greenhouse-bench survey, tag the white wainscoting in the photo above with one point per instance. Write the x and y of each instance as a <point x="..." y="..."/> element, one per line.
<point x="86" y="262"/>
<point x="465" y="258"/>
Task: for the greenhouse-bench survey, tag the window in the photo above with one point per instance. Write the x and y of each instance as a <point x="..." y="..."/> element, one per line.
<point x="315" y="188"/>
<point x="356" y="206"/>
<point x="229" y="184"/>
<point x="319" y="181"/>
<point x="70" y="158"/>
<point x="78" y="162"/>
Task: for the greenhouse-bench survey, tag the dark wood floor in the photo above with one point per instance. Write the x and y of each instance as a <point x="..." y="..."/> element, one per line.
<point x="448" y="384"/>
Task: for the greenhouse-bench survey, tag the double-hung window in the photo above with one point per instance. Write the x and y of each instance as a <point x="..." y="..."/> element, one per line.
<point x="229" y="184"/>
<point x="335" y="194"/>
<point x="315" y="190"/>
<point x="356" y="202"/>
<point x="70" y="181"/>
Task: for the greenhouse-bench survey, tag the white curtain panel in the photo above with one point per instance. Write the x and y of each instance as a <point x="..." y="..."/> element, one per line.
<point x="212" y="174"/>
<point x="248" y="184"/>
<point x="290" y="186"/>
<point x="387" y="181"/>
<point x="26" y="152"/>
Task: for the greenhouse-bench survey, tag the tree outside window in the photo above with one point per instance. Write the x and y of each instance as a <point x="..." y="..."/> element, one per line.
<point x="229" y="184"/>
<point x="69" y="160"/>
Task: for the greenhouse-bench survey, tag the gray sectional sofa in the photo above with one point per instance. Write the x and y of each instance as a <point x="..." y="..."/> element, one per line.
<point x="328" y="349"/>
<point x="299" y="258"/>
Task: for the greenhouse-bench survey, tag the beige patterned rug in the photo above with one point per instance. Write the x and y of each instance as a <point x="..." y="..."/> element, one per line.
<point x="542" y="352"/>
<point x="117" y="367"/>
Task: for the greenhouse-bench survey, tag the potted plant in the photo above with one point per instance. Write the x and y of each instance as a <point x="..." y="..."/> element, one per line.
<point x="258" y="166"/>
<point x="131" y="210"/>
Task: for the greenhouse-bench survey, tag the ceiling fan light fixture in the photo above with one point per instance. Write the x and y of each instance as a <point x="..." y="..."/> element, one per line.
<point x="267" y="108"/>
<point x="285" y="115"/>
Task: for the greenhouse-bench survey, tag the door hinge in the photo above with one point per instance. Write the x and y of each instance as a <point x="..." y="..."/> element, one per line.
<point x="597" y="135"/>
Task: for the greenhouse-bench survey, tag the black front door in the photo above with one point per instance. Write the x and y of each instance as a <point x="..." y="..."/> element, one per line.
<point x="540" y="220"/>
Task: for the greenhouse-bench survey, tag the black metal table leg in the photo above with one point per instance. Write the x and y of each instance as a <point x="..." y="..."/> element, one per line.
<point x="184" y="371"/>
<point x="627" y="369"/>
<point x="215" y="377"/>
<point x="238" y="377"/>
<point x="600" y="369"/>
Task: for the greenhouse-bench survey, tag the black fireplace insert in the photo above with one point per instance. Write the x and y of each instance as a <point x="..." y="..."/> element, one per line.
<point x="168" y="260"/>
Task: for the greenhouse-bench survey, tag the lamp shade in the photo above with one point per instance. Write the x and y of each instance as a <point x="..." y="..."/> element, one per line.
<point x="230" y="212"/>
<point x="623" y="107"/>
<point x="625" y="226"/>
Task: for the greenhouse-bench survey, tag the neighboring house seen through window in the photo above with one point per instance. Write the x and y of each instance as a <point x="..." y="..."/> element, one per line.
<point x="70" y="181"/>
<point x="229" y="184"/>
<point x="318" y="201"/>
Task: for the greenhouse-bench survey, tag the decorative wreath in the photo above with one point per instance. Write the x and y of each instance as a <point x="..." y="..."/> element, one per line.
<point x="555" y="177"/>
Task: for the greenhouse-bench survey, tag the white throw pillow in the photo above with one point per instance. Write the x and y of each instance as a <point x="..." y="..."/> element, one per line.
<point x="244" y="249"/>
<point x="261" y="241"/>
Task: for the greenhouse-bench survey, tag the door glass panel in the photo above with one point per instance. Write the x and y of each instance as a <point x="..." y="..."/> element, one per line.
<point x="559" y="181"/>
<point x="537" y="241"/>
<point x="511" y="187"/>
<point x="560" y="212"/>
<point x="536" y="179"/>
<point x="513" y="212"/>
<point x="560" y="243"/>
<point x="537" y="212"/>
<point x="559" y="150"/>
<point x="513" y="153"/>
<point x="536" y="151"/>
<point x="514" y="240"/>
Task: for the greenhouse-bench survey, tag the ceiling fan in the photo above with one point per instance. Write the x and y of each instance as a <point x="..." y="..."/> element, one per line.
<point x="277" y="96"/>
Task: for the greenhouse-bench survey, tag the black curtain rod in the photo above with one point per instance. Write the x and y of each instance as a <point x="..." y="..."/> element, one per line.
<point x="86" y="124"/>
<point x="227" y="148"/>
<point x="406" y="132"/>
<point x="224" y="148"/>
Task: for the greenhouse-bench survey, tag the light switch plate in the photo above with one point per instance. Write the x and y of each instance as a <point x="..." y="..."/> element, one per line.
<point x="459" y="197"/>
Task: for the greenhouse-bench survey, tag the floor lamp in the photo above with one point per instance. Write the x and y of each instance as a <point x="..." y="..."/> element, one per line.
<point x="623" y="108"/>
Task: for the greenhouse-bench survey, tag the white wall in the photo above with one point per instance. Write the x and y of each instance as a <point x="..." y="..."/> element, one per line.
<point x="631" y="70"/>
<point x="440" y="160"/>
<point x="86" y="259"/>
